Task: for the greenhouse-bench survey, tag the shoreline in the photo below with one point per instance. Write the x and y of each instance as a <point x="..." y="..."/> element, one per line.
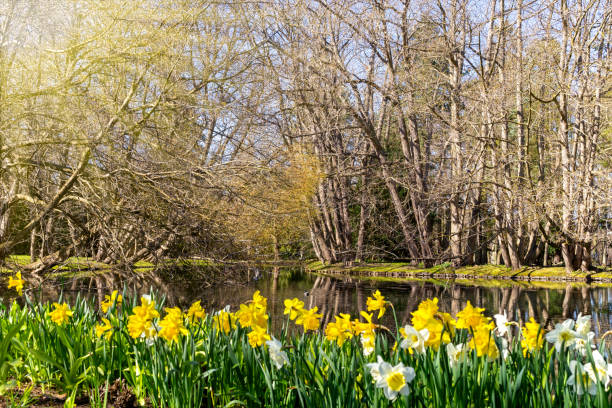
<point x="400" y="270"/>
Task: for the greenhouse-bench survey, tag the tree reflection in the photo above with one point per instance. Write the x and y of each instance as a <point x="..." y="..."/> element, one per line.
<point x="231" y="285"/>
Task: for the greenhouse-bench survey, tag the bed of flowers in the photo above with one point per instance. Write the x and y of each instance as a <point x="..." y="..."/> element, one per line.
<point x="170" y="357"/>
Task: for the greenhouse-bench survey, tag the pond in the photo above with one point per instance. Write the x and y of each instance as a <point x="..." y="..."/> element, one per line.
<point x="232" y="285"/>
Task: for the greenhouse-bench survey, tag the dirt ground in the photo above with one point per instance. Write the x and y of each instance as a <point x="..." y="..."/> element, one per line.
<point x="119" y="396"/>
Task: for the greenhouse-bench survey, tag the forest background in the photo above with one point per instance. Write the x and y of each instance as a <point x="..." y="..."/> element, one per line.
<point x="462" y="131"/>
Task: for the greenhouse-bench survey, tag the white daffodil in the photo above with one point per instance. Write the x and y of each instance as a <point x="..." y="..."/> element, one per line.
<point x="392" y="379"/>
<point x="456" y="354"/>
<point x="583" y="324"/>
<point x="278" y="357"/>
<point x="601" y="372"/>
<point x="580" y="379"/>
<point x="582" y="342"/>
<point x="414" y="339"/>
<point x="375" y="369"/>
<point x="562" y="335"/>
<point x="368" y="342"/>
<point x="502" y="323"/>
<point x="504" y="351"/>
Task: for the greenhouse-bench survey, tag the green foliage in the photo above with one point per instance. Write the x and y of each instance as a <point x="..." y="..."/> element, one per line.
<point x="211" y="368"/>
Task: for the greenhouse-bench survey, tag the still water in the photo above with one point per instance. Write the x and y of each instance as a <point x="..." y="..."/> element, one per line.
<point x="218" y="287"/>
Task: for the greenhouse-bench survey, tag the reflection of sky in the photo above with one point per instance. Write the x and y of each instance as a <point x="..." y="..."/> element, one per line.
<point x="333" y="296"/>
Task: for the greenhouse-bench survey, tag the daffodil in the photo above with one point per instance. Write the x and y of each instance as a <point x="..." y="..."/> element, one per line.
<point x="114" y="298"/>
<point x="375" y="369"/>
<point x="16" y="282"/>
<point x="582" y="343"/>
<point x="60" y="314"/>
<point x="414" y="339"/>
<point x="340" y="330"/>
<point x="309" y="319"/>
<point x="456" y="354"/>
<point x="260" y="301"/>
<point x="533" y="337"/>
<point x="146" y="310"/>
<point x="563" y="335"/>
<point x="482" y="341"/>
<point x="392" y="379"/>
<point x="172" y="325"/>
<point x="424" y="313"/>
<point x="364" y="327"/>
<point x="368" y="343"/>
<point x="587" y="377"/>
<point x="293" y="307"/>
<point x="251" y="315"/>
<point x="439" y="325"/>
<point x="105" y="329"/>
<point x="137" y="325"/>
<point x="334" y="333"/>
<point x="583" y="325"/>
<point x="224" y="321"/>
<point x="378" y="302"/>
<point x="599" y="370"/>
<point x="471" y="317"/>
<point x="584" y="337"/>
<point x="258" y="336"/>
<point x="196" y="312"/>
<point x="343" y="321"/>
<point x="502" y="324"/>
<point x="277" y="355"/>
<point x="150" y="333"/>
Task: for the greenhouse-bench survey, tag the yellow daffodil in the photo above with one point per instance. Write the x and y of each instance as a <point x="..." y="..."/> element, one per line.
<point x="364" y="327"/>
<point x="533" y="337"/>
<point x="60" y="314"/>
<point x="340" y="330"/>
<point x="105" y="329"/>
<point x="137" y="325"/>
<point x="424" y="313"/>
<point x="172" y="325"/>
<point x="260" y="301"/>
<point x="378" y="302"/>
<point x="440" y="326"/>
<point x="471" y="317"/>
<point x="334" y="333"/>
<point x="147" y="309"/>
<point x="224" y="321"/>
<point x="258" y="336"/>
<point x="344" y="322"/>
<point x="195" y="312"/>
<point x="16" y="282"/>
<point x="482" y="341"/>
<point x="309" y="319"/>
<point x="251" y="315"/>
<point x="114" y="298"/>
<point x="293" y="307"/>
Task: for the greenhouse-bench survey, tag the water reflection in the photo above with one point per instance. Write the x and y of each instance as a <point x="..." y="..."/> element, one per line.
<point x="520" y="302"/>
<point x="217" y="287"/>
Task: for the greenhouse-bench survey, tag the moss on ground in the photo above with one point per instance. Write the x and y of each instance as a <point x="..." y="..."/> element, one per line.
<point x="481" y="274"/>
